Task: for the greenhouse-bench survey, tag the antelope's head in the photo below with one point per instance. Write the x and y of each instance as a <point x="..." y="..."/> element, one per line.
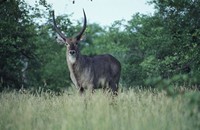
<point x="72" y="42"/>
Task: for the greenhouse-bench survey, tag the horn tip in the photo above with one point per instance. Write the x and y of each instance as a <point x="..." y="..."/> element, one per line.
<point x="52" y="12"/>
<point x="83" y="11"/>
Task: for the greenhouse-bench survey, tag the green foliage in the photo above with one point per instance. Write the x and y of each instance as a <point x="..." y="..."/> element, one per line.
<point x="16" y="45"/>
<point x="181" y="23"/>
<point x="167" y="44"/>
<point x="30" y="56"/>
<point x="160" y="51"/>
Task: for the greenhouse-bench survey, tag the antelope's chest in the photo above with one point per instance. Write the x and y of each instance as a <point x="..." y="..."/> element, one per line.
<point x="82" y="77"/>
<point x="72" y="75"/>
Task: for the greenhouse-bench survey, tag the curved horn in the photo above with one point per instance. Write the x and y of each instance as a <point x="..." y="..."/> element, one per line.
<point x="56" y="28"/>
<point x="78" y="37"/>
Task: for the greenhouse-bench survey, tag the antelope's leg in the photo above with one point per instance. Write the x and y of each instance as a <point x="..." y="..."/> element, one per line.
<point x="81" y="90"/>
<point x="113" y="87"/>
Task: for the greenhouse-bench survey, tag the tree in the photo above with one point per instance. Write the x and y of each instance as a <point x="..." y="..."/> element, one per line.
<point x="181" y="22"/>
<point x="16" y="45"/>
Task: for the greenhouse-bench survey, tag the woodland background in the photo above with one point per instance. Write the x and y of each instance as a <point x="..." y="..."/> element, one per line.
<point x="161" y="50"/>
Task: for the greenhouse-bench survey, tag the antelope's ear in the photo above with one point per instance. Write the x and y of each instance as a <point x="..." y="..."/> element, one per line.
<point x="83" y="38"/>
<point x="60" y="40"/>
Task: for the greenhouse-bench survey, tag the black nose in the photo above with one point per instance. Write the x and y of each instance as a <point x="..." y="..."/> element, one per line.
<point x="72" y="52"/>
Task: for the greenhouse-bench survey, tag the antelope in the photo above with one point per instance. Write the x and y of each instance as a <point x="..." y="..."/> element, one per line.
<point x="89" y="72"/>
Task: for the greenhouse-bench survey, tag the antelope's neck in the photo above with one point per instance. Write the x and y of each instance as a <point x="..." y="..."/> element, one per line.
<point x="75" y="69"/>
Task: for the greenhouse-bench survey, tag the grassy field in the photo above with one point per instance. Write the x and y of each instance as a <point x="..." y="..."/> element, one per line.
<point x="130" y="110"/>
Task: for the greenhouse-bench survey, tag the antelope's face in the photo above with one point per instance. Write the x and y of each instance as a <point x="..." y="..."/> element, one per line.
<point x="72" y="50"/>
<point x="71" y="43"/>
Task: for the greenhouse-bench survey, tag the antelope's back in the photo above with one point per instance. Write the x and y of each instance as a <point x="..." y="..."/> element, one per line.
<point x="106" y="66"/>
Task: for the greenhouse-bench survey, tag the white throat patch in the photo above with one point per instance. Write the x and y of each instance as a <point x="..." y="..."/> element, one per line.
<point x="72" y="59"/>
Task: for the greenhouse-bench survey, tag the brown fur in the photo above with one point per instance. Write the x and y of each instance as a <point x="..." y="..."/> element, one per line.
<point x="90" y="72"/>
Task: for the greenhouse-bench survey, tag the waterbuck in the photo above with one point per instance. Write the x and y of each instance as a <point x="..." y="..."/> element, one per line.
<point x="89" y="72"/>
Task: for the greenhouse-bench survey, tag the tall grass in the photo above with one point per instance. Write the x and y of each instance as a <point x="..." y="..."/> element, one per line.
<point x="130" y="110"/>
